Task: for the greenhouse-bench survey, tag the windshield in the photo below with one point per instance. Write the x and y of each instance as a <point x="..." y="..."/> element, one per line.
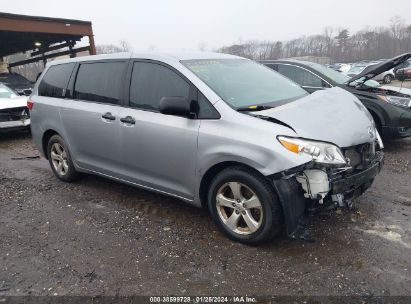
<point x="330" y="73"/>
<point x="14" y="79"/>
<point x="5" y="92"/>
<point x="357" y="69"/>
<point x="243" y="83"/>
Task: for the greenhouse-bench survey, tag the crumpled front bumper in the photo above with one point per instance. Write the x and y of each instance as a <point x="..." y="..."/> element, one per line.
<point x="294" y="203"/>
<point x="358" y="180"/>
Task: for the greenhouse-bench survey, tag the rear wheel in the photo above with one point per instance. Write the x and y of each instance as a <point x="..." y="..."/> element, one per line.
<point x="244" y="206"/>
<point x="60" y="159"/>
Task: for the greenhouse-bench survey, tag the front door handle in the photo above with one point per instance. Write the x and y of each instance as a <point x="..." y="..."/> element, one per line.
<point x="128" y="120"/>
<point x="108" y="116"/>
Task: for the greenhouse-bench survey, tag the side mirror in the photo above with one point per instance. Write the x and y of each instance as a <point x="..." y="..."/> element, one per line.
<point x="27" y="92"/>
<point x="178" y="106"/>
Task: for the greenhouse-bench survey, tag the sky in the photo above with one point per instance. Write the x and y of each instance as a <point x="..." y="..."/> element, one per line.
<point x="187" y="25"/>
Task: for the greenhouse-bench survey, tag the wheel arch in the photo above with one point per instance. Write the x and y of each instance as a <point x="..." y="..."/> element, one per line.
<point x="378" y="119"/>
<point x="213" y="171"/>
<point x="46" y="137"/>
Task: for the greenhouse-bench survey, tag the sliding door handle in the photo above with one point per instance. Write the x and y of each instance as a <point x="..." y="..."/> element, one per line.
<point x="128" y="120"/>
<point x="108" y="116"/>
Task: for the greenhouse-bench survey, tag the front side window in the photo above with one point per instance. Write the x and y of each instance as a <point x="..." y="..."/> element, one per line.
<point x="300" y="76"/>
<point x="99" y="82"/>
<point x="150" y="82"/>
<point x="55" y="80"/>
<point x="242" y="82"/>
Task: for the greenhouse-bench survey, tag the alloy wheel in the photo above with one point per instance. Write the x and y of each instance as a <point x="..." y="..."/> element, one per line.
<point x="59" y="159"/>
<point x="239" y="208"/>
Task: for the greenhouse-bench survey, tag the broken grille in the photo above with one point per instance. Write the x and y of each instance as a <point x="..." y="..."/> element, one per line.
<point x="14" y="114"/>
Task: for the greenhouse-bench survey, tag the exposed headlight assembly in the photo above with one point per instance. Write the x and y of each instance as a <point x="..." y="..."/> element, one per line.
<point x="320" y="152"/>
<point x="404" y="102"/>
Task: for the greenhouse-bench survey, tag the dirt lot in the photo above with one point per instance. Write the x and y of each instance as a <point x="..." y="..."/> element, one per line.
<point x="99" y="237"/>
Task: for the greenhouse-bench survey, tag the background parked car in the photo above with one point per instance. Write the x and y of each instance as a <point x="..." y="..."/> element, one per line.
<point x="14" y="114"/>
<point x="341" y="67"/>
<point x="404" y="71"/>
<point x="17" y="82"/>
<point x="390" y="108"/>
<point x="385" y="77"/>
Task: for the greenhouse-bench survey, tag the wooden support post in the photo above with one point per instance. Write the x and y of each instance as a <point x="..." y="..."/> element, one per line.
<point x="70" y="46"/>
<point x="92" y="50"/>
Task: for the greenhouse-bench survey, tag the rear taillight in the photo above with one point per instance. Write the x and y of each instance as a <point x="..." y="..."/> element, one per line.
<point x="30" y="105"/>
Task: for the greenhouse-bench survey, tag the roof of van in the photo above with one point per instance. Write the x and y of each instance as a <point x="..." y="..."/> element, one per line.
<point x="151" y="55"/>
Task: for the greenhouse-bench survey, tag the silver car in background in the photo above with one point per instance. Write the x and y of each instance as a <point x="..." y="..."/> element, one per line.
<point x="215" y="130"/>
<point x="385" y="77"/>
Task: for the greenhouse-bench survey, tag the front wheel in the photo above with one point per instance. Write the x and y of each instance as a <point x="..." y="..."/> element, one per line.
<point x="245" y="206"/>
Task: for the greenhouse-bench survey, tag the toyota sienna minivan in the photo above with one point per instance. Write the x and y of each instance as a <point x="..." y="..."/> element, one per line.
<point x="215" y="130"/>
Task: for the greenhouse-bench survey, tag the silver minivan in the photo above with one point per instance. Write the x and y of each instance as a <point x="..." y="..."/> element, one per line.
<point x="215" y="130"/>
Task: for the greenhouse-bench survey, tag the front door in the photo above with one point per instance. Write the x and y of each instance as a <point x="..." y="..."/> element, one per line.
<point x="158" y="150"/>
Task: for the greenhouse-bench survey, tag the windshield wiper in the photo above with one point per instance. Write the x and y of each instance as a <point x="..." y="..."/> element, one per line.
<point x="253" y="108"/>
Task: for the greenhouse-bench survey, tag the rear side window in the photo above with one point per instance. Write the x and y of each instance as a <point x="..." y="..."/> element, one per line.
<point x="300" y="76"/>
<point x="99" y="82"/>
<point x="55" y="80"/>
<point x="150" y="82"/>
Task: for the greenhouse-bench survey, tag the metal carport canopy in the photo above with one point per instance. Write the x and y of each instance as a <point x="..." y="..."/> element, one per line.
<point x="22" y="33"/>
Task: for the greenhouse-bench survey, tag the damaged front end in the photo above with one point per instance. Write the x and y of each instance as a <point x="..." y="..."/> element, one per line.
<point x="332" y="179"/>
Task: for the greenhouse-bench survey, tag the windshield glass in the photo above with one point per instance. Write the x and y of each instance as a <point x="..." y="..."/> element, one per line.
<point x="5" y="92"/>
<point x="14" y="79"/>
<point x="330" y="73"/>
<point x="357" y="69"/>
<point x="243" y="83"/>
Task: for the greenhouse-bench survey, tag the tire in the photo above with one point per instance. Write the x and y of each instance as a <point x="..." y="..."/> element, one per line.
<point x="387" y="79"/>
<point x="65" y="171"/>
<point x="266" y="221"/>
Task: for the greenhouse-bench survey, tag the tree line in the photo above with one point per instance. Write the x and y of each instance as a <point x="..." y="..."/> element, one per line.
<point x="337" y="44"/>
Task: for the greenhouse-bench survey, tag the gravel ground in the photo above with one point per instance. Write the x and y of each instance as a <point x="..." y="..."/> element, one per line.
<point x="99" y="237"/>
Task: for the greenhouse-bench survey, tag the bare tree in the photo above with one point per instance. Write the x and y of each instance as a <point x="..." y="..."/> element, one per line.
<point x="125" y="46"/>
<point x="338" y="45"/>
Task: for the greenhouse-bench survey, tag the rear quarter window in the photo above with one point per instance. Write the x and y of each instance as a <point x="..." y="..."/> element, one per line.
<point x="55" y="81"/>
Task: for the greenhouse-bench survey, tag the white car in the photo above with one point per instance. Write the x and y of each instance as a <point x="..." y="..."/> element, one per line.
<point x="14" y="114"/>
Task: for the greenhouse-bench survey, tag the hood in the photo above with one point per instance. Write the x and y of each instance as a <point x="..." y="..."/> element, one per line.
<point x="332" y="115"/>
<point x="380" y="68"/>
<point x="15" y="102"/>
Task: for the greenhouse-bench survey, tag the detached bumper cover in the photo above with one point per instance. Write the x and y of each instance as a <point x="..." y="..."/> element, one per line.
<point x="358" y="180"/>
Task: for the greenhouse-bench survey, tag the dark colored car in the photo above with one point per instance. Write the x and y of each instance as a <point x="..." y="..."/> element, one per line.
<point x="390" y="108"/>
<point x="17" y="82"/>
<point x="403" y="72"/>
